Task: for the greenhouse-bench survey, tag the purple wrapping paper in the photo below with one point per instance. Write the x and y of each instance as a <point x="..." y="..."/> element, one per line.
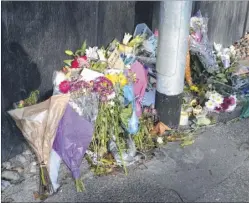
<point x="73" y="137"/>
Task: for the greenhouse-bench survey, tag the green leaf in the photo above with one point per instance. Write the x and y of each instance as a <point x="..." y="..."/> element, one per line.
<point x="69" y="52"/>
<point x="224" y="80"/>
<point x="83" y="48"/>
<point x="68" y="62"/>
<point x="187" y="142"/>
<point x="221" y="75"/>
<point x="78" y="51"/>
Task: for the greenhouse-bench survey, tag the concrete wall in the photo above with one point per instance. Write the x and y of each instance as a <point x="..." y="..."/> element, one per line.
<point x="228" y="20"/>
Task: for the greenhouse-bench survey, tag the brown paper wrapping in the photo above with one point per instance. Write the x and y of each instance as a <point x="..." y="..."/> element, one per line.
<point x="39" y="123"/>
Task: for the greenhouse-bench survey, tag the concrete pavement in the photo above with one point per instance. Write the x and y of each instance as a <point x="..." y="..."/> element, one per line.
<point x="215" y="168"/>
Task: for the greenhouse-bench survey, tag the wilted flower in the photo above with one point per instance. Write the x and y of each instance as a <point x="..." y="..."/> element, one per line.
<point x="195" y="21"/>
<point x="127" y="38"/>
<point x="160" y="140"/>
<point x="194" y="88"/>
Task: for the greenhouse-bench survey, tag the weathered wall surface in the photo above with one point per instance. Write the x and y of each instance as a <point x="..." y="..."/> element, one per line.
<point x="34" y="37"/>
<point x="228" y="20"/>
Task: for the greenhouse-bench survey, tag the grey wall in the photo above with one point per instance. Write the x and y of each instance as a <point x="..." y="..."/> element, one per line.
<point x="228" y="20"/>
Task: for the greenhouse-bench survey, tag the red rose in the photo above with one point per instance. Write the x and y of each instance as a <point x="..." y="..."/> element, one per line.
<point x="75" y="63"/>
<point x="64" y="86"/>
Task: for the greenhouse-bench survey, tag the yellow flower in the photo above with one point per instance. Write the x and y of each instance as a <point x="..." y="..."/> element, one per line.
<point x="122" y="80"/>
<point x="113" y="78"/>
<point x="194" y="88"/>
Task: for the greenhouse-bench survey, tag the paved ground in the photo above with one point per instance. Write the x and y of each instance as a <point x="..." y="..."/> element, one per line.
<point x="215" y="168"/>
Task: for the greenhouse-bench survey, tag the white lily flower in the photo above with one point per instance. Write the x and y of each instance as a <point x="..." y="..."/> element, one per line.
<point x="160" y="140"/>
<point x="226" y="51"/>
<point x="217" y="47"/>
<point x="91" y="52"/>
<point x="101" y="54"/>
<point x="127" y="38"/>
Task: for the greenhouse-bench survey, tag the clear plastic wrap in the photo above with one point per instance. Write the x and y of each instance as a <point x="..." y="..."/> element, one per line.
<point x="240" y="77"/>
<point x="199" y="43"/>
<point x="86" y="105"/>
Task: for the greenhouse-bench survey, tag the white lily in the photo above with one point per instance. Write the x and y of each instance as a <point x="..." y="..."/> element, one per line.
<point x="217" y="47"/>
<point x="226" y="51"/>
<point x="127" y="38"/>
<point x="91" y="52"/>
<point x="101" y="54"/>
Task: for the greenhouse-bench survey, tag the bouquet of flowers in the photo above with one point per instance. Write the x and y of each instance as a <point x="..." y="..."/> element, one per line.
<point x="217" y="103"/>
<point x="199" y="43"/>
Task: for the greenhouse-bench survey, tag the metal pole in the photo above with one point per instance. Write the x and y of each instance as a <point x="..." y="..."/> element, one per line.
<point x="171" y="59"/>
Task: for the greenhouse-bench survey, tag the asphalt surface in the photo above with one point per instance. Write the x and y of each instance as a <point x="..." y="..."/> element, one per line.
<point x="214" y="169"/>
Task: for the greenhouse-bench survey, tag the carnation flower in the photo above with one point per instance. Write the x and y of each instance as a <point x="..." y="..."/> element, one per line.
<point x="218" y="99"/>
<point x="218" y="109"/>
<point x="75" y="63"/>
<point x="64" y="86"/>
<point x="82" y="60"/>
